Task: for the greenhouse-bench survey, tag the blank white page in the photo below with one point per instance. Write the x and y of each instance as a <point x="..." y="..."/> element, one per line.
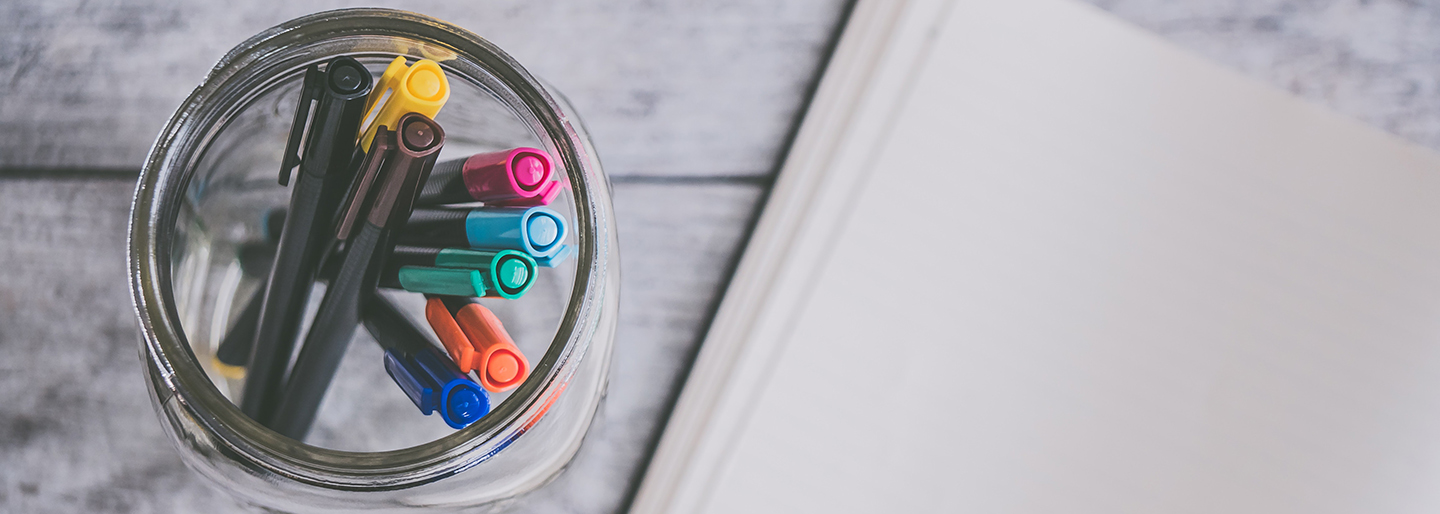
<point x="1088" y="272"/>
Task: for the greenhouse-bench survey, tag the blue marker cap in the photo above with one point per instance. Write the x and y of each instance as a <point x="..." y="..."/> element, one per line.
<point x="434" y="383"/>
<point x="537" y="231"/>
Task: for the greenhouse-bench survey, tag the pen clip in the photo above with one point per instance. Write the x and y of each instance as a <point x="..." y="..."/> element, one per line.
<point x="380" y="149"/>
<point x="309" y="93"/>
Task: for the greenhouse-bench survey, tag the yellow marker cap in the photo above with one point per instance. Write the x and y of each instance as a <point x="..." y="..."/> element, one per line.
<point x="401" y="90"/>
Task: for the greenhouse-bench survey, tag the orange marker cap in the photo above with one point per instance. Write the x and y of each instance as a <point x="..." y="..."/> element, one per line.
<point x="457" y="344"/>
<point x="500" y="364"/>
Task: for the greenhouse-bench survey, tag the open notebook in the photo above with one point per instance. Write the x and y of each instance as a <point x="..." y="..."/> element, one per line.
<point x="1026" y="258"/>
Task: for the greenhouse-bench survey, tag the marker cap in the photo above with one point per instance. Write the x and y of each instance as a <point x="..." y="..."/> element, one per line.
<point x="461" y="401"/>
<point x="508" y="175"/>
<point x="420" y="88"/>
<point x="446" y="281"/>
<point x="501" y="366"/>
<point x="434" y="384"/>
<point x="456" y="343"/>
<point x="565" y="252"/>
<point x="547" y="194"/>
<point x="537" y="231"/>
<point x="507" y="273"/>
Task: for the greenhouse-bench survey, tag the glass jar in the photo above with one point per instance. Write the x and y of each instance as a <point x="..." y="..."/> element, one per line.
<point x="203" y="193"/>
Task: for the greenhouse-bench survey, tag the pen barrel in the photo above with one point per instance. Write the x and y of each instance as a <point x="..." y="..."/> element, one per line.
<point x="397" y="182"/>
<point x="235" y="347"/>
<point x="446" y="184"/>
<point x="285" y="294"/>
<point x="436" y="227"/>
<point x="329" y="336"/>
<point x="391" y="328"/>
<point x="256" y="258"/>
<point x="324" y="178"/>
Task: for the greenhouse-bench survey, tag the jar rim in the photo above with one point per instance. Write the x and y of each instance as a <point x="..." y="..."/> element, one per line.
<point x="175" y="375"/>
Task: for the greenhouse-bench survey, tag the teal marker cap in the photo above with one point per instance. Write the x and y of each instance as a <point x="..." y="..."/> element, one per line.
<point x="507" y="273"/>
<point x="442" y="281"/>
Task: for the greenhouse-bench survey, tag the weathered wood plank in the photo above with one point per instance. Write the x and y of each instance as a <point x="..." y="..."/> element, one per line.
<point x="667" y="88"/>
<point x="77" y="432"/>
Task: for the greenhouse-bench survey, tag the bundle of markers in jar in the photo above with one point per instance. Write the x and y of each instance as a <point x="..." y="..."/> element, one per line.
<point x="370" y="208"/>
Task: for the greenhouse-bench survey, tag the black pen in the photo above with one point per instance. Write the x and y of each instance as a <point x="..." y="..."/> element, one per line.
<point x="338" y="97"/>
<point x="381" y="199"/>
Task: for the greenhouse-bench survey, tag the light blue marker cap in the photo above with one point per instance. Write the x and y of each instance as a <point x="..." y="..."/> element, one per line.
<point x="565" y="252"/>
<point x="537" y="231"/>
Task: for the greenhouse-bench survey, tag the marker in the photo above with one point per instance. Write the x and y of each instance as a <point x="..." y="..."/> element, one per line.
<point x="518" y="177"/>
<point x="477" y="341"/>
<point x="426" y="376"/>
<point x="233" y="354"/>
<point x="402" y="89"/>
<point x="234" y="350"/>
<point x="537" y="231"/>
<point x="380" y="201"/>
<point x="272" y="223"/>
<point x="502" y="274"/>
<point x="255" y="258"/>
<point x="332" y="101"/>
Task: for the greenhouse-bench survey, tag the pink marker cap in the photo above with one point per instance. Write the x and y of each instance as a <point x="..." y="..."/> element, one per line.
<point x="509" y="175"/>
<point x="547" y="194"/>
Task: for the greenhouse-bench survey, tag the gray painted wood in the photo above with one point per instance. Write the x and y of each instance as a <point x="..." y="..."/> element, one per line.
<point x="667" y="88"/>
<point x="77" y="432"/>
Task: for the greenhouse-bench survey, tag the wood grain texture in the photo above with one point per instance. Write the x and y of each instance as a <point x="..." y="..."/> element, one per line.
<point x="77" y="432"/>
<point x="667" y="88"/>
